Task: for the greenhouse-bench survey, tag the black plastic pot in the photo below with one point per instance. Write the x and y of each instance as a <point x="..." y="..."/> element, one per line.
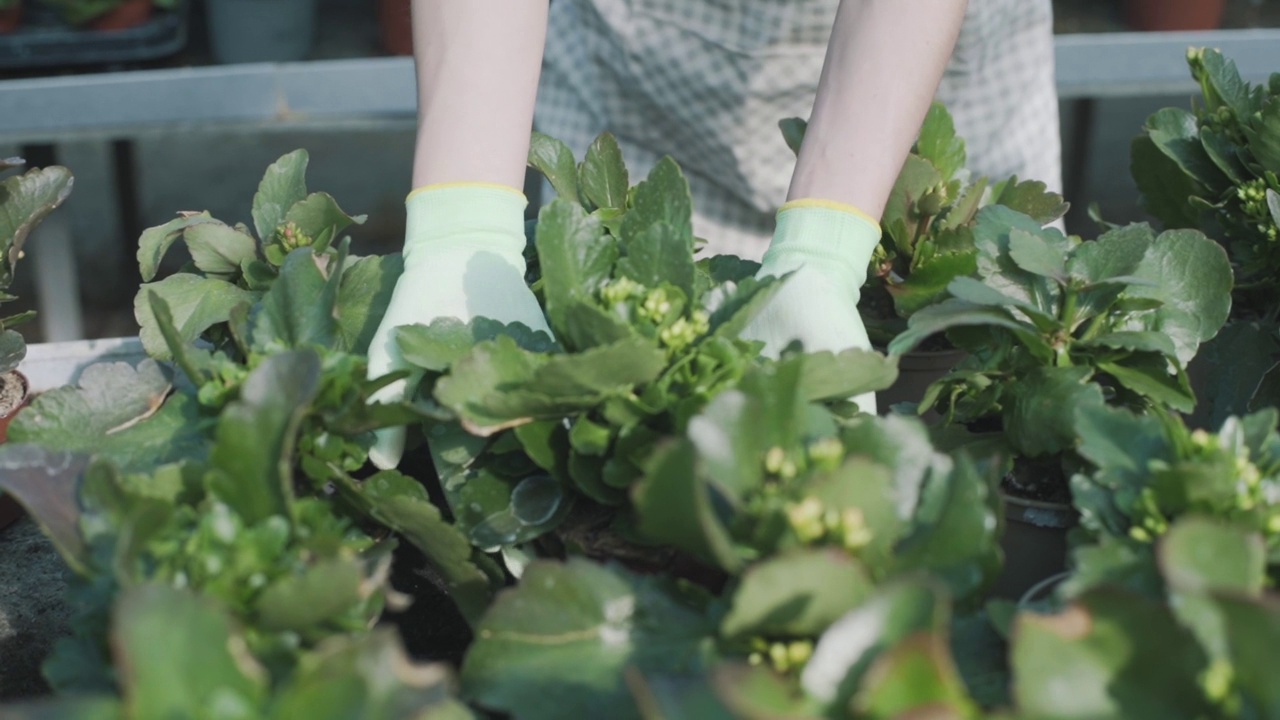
<point x="1034" y="543"/>
<point x="916" y="372"/>
<point x="243" y="31"/>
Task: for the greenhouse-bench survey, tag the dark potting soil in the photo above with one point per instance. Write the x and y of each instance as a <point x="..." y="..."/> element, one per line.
<point x="12" y="391"/>
<point x="1041" y="479"/>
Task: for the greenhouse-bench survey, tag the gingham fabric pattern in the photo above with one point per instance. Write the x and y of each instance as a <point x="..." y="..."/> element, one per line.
<point x="706" y="82"/>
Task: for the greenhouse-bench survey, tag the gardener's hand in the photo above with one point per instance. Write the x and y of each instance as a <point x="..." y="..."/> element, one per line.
<point x="826" y="247"/>
<point x="463" y="258"/>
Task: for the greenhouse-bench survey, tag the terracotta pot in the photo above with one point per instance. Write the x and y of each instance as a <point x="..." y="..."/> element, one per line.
<point x="916" y="372"/>
<point x="10" y="404"/>
<point x="1034" y="543"/>
<point x="10" y="18"/>
<point x="394" y="27"/>
<point x="1170" y="15"/>
<point x="130" y="13"/>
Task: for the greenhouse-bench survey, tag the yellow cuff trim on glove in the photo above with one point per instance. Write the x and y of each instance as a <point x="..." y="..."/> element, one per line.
<point x="829" y="205"/>
<point x="463" y="184"/>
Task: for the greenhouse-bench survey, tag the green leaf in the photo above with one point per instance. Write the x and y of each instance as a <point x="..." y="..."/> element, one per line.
<point x="1221" y="82"/>
<point x="311" y="595"/>
<point x="283" y="185"/>
<point x="1032" y="198"/>
<point x="184" y="675"/>
<point x="500" y="385"/>
<point x="46" y="483"/>
<point x="1228" y="370"/>
<point x="318" y="214"/>
<point x="363" y="297"/>
<point x="118" y="412"/>
<point x="1263" y="132"/>
<point x="938" y="143"/>
<point x="401" y="503"/>
<point x="1116" y="253"/>
<point x="1202" y="555"/>
<point x="197" y="304"/>
<point x="576" y="258"/>
<point x="1253" y="634"/>
<point x="674" y="506"/>
<point x="299" y="309"/>
<point x="793" y="130"/>
<point x="917" y="675"/>
<point x="992" y="233"/>
<point x="960" y="544"/>
<point x="1040" y="417"/>
<point x="847" y="648"/>
<point x="836" y="376"/>
<point x="194" y="362"/>
<point x="731" y="316"/>
<point x="603" y="175"/>
<point x="928" y="281"/>
<point x="796" y="594"/>
<point x="556" y="645"/>
<point x="256" y="435"/>
<point x="555" y="161"/>
<point x="660" y="254"/>
<point x="1225" y="154"/>
<point x="1125" y="656"/>
<point x="25" y="200"/>
<point x="661" y="199"/>
<point x="1163" y="186"/>
<point x="917" y="177"/>
<point x="66" y="708"/>
<point x="13" y="349"/>
<point x="1173" y="130"/>
<point x="1191" y="276"/>
<point x="445" y="341"/>
<point x="1036" y="256"/>
<point x="367" y="676"/>
<point x="156" y="241"/>
<point x="219" y="249"/>
<point x="959" y="313"/>
<point x="979" y="293"/>
<point x="1148" y="375"/>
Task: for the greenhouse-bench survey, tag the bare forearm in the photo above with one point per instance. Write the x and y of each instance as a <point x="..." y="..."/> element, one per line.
<point x="883" y="66"/>
<point x="478" y="63"/>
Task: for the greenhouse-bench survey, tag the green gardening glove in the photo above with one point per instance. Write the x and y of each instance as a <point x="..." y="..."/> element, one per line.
<point x="463" y="258"/>
<point x="827" y="246"/>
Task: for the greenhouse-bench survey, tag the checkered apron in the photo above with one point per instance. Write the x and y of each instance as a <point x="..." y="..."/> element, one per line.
<point x="706" y="82"/>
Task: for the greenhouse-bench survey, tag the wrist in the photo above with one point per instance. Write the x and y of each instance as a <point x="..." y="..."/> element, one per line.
<point x="470" y="217"/>
<point x="827" y="236"/>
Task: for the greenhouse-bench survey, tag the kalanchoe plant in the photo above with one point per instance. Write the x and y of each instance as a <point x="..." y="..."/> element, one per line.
<point x="200" y="671"/>
<point x="1207" y="651"/>
<point x="1215" y="167"/>
<point x="226" y="522"/>
<point x="1148" y="471"/>
<point x="928" y="223"/>
<point x="1053" y="324"/>
<point x="646" y="336"/>
<point x="818" y="530"/>
<point x="25" y="200"/>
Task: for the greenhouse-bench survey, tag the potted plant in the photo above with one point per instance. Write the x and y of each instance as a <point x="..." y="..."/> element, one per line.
<point x="928" y="241"/>
<point x="1214" y="167"/>
<point x="25" y="200"/>
<point x="1174" y="15"/>
<point x="107" y="15"/>
<point x="395" y="27"/>
<point x="645" y="336"/>
<point x="1053" y="324"/>
<point x="243" y="31"/>
<point x="10" y="15"/>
